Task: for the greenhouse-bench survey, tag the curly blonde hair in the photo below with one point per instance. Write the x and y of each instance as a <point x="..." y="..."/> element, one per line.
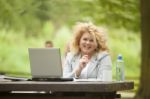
<point x="98" y="35"/>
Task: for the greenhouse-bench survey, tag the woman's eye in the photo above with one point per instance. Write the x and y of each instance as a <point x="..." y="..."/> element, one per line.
<point x="91" y="40"/>
<point x="85" y="39"/>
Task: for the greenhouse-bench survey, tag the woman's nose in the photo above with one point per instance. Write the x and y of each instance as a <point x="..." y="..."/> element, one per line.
<point x="87" y="41"/>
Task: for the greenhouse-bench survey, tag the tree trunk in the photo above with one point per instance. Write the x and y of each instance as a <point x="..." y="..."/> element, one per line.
<point x="144" y="88"/>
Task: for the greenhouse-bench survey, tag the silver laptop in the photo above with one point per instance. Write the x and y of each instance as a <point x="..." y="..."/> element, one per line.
<point x="46" y="64"/>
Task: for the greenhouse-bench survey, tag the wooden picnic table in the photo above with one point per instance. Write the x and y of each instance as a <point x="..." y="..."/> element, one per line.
<point x="63" y="90"/>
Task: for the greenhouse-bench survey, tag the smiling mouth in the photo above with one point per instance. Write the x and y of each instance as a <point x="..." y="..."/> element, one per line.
<point x="87" y="47"/>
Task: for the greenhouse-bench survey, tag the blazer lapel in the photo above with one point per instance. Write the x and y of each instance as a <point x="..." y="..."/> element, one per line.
<point x="92" y="65"/>
<point x="94" y="62"/>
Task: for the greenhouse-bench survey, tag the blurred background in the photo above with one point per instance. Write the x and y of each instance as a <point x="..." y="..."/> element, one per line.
<point x="29" y="23"/>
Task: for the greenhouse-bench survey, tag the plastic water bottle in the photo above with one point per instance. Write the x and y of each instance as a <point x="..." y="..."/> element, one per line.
<point x="120" y="68"/>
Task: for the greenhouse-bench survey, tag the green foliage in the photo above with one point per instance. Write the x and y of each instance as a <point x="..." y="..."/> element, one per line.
<point x="62" y="37"/>
<point x="14" y="48"/>
<point x="30" y="15"/>
<point x="13" y="53"/>
<point x="28" y="23"/>
<point x="27" y="14"/>
<point x="128" y="44"/>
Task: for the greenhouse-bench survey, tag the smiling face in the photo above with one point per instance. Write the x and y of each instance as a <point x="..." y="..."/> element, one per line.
<point x="87" y="44"/>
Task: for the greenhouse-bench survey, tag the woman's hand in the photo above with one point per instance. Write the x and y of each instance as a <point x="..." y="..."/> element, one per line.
<point x="83" y="61"/>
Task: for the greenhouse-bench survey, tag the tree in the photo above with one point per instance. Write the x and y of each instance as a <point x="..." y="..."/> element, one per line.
<point x="30" y="15"/>
<point x="144" y="89"/>
<point x="114" y="13"/>
<point x="23" y="15"/>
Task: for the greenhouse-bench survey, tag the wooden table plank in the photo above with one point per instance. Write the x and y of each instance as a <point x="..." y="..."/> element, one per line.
<point x="67" y="86"/>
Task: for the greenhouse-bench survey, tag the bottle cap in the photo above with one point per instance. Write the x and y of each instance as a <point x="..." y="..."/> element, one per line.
<point x="120" y="57"/>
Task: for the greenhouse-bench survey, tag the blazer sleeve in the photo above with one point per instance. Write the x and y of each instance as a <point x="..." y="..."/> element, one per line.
<point x="68" y="69"/>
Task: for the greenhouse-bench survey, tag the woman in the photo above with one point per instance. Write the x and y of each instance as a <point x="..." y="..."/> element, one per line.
<point x="88" y="56"/>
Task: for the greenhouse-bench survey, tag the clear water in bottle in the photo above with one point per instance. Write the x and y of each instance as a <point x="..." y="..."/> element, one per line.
<point x="120" y="68"/>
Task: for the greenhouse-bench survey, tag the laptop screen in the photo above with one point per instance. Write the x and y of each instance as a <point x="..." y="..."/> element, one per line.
<point x="45" y="62"/>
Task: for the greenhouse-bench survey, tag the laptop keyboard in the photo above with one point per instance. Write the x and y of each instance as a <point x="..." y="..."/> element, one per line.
<point x="51" y="79"/>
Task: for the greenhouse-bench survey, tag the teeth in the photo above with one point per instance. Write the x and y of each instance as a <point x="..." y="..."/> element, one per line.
<point x="87" y="47"/>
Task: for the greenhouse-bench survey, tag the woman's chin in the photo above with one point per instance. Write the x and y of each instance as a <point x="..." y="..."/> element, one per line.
<point x="86" y="53"/>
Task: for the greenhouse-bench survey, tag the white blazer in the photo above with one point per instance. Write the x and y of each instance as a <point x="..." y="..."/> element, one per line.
<point x="100" y="66"/>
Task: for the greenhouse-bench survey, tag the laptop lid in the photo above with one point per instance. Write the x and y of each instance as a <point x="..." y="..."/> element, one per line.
<point x="45" y="62"/>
